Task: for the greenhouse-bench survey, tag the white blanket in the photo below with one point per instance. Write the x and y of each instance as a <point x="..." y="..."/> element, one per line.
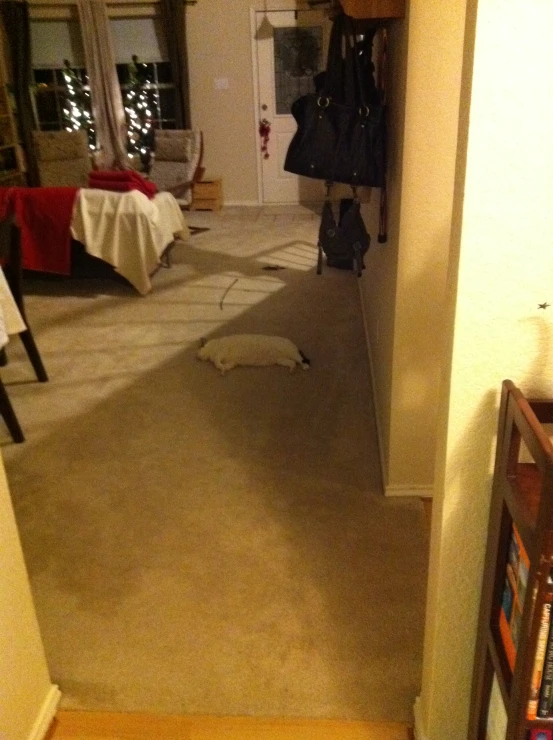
<point x="11" y="321"/>
<point x="128" y="230"/>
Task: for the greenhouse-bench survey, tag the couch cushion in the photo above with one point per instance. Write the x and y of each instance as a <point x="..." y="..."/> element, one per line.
<point x="173" y="145"/>
<point x="51" y="146"/>
<point x="69" y="173"/>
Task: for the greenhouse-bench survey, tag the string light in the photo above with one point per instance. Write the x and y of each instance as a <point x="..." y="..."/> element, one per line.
<point x="76" y="114"/>
<point x="138" y="113"/>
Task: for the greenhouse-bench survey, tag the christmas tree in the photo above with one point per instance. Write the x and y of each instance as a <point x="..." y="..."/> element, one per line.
<point x="138" y="109"/>
<point x="76" y="106"/>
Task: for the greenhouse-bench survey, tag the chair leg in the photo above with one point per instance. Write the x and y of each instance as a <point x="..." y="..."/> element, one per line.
<point x="13" y="271"/>
<point x="8" y="414"/>
<point x="165" y="258"/>
<point x="34" y="356"/>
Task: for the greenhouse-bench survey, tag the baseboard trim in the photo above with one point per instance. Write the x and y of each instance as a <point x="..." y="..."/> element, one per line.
<point x="409" y="490"/>
<point x="46" y="714"/>
<point x="244" y="203"/>
<point x="419" y="733"/>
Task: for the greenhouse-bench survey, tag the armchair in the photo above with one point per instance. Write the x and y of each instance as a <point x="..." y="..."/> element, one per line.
<point x="63" y="158"/>
<point x="177" y="161"/>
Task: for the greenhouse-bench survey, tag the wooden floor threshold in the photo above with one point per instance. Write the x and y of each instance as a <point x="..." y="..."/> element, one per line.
<point x="125" y="726"/>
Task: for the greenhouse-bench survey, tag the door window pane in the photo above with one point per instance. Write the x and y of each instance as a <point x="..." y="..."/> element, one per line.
<point x="298" y="58"/>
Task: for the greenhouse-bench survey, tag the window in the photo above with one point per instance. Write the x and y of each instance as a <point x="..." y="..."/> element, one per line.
<point x="159" y="88"/>
<point x="149" y="101"/>
<point x="60" y="92"/>
<point x="62" y="100"/>
<point x="145" y="76"/>
<point x="61" y="103"/>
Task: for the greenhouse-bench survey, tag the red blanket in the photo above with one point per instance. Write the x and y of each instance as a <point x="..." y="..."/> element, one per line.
<point x="119" y="186"/>
<point x="43" y="216"/>
<point x="121" y="181"/>
<point x="124" y="175"/>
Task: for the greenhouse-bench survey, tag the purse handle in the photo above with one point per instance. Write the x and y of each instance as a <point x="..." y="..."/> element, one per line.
<point x="343" y="80"/>
<point x="328" y="189"/>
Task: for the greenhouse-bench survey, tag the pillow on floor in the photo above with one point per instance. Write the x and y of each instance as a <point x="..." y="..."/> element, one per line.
<point x="252" y="349"/>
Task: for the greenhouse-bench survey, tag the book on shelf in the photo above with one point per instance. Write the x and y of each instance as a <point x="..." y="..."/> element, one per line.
<point x="545" y="704"/>
<point x="514" y="591"/>
<point x="539" y="660"/>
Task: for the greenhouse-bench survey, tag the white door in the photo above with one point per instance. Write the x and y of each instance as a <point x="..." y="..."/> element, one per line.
<point x="291" y="49"/>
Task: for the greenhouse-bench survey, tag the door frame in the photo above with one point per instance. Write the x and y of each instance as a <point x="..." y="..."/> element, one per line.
<point x="256" y="101"/>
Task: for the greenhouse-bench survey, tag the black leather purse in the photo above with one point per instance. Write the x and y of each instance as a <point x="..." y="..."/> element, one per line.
<point x="341" y="128"/>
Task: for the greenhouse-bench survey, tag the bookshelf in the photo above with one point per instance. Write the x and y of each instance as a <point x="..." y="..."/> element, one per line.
<point x="517" y="587"/>
<point x="12" y="166"/>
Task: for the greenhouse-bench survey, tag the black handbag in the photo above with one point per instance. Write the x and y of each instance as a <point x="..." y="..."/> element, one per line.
<point x="344" y="241"/>
<point x="341" y="128"/>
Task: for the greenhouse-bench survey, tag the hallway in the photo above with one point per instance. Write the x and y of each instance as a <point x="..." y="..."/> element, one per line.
<point x="212" y="545"/>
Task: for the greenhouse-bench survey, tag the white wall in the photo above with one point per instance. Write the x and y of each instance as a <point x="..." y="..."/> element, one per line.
<point x="27" y="698"/>
<point x="404" y="284"/>
<point x="220" y="47"/>
<point x="502" y="267"/>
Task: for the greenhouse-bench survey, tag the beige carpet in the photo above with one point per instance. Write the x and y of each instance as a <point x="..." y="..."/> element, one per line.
<point x="208" y="544"/>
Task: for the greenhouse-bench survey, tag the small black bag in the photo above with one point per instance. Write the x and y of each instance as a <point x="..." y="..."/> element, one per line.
<point x="344" y="242"/>
<point x="341" y="132"/>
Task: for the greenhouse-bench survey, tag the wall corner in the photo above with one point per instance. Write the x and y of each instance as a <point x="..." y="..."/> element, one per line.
<point x="420" y="730"/>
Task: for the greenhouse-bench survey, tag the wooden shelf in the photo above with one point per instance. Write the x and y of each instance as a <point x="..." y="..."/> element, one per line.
<point x="8" y="174"/>
<point x="373" y="9"/>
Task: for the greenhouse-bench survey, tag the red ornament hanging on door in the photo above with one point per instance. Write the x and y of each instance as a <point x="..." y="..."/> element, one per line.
<point x="265" y="132"/>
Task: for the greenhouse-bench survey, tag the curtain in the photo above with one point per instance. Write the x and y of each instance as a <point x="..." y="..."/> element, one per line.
<point x="173" y="13"/>
<point x="15" y="15"/>
<point x="107" y="102"/>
